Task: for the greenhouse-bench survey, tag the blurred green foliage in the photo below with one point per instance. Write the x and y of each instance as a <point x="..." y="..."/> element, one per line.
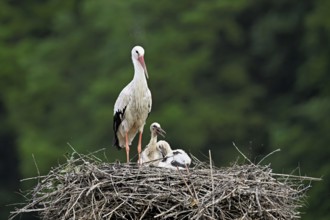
<point x="252" y="72"/>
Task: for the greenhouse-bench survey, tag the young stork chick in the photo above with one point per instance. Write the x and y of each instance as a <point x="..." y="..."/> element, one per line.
<point x="151" y="154"/>
<point x="172" y="159"/>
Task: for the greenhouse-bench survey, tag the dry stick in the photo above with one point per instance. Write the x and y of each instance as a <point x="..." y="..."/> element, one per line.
<point x="110" y="213"/>
<point x="242" y="153"/>
<point x="258" y="202"/>
<point x="35" y="163"/>
<point x="29" y="207"/>
<point x="154" y="160"/>
<point x="212" y="181"/>
<point x="167" y="211"/>
<point x="94" y="203"/>
<point x="243" y="217"/>
<point x="33" y="178"/>
<point x="185" y="183"/>
<point x="96" y="186"/>
<point x="277" y="150"/>
<point x="74" y="215"/>
<point x="73" y="205"/>
<point x="192" y="185"/>
<point x="297" y="177"/>
<point x="145" y="211"/>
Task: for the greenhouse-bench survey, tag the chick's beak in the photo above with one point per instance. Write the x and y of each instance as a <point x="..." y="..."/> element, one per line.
<point x="160" y="131"/>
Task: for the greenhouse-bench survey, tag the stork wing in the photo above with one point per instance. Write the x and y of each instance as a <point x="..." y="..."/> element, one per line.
<point x="148" y="96"/>
<point x="181" y="157"/>
<point x="119" y="111"/>
<point x="176" y="163"/>
<point x="123" y="99"/>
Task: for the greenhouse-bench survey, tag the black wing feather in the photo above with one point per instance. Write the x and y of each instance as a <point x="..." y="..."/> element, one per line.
<point x="174" y="163"/>
<point x="177" y="164"/>
<point x="117" y="119"/>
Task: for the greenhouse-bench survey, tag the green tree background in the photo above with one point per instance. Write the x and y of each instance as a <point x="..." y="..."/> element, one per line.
<point x="253" y="72"/>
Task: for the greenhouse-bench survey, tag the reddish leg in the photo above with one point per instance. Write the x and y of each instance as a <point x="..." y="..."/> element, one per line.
<point x="139" y="148"/>
<point x="127" y="148"/>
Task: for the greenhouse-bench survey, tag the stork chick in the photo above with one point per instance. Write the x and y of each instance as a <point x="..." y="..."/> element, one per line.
<point x="151" y="154"/>
<point x="172" y="159"/>
<point x="132" y="106"/>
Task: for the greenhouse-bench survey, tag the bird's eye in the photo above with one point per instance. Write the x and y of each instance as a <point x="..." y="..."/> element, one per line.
<point x="137" y="52"/>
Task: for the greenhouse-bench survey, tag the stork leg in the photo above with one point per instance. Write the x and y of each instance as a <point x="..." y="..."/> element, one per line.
<point x="127" y="147"/>
<point x="139" y="148"/>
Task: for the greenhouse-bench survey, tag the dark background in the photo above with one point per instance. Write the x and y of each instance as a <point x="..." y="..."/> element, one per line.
<point x="251" y="72"/>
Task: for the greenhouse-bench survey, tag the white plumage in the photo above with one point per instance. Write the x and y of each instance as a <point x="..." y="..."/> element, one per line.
<point x="172" y="159"/>
<point x="133" y="105"/>
<point x="151" y="155"/>
<point x="160" y="153"/>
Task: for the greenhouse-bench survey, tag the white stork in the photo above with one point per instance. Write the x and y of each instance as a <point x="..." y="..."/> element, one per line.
<point x="173" y="159"/>
<point x="132" y="106"/>
<point x="151" y="153"/>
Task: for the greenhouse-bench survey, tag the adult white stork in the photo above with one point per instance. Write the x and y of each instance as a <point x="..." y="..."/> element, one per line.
<point x="173" y="159"/>
<point x="132" y="106"/>
<point x="151" y="155"/>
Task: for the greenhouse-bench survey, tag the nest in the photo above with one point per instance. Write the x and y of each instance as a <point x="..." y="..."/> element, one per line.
<point x="87" y="188"/>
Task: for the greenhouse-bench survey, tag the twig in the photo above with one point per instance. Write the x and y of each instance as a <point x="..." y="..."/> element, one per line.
<point x="35" y="163"/>
<point x="242" y="153"/>
<point x="212" y="181"/>
<point x="258" y="202"/>
<point x="167" y="211"/>
<point x="271" y="153"/>
<point x="298" y="177"/>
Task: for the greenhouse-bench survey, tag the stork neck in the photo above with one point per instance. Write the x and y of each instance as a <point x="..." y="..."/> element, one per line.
<point x="153" y="138"/>
<point x="139" y="75"/>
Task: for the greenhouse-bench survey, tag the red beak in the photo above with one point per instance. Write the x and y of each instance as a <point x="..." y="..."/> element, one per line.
<point x="141" y="60"/>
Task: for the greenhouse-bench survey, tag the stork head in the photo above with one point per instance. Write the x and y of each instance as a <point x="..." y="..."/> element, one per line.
<point x="138" y="55"/>
<point x="156" y="129"/>
<point x="164" y="148"/>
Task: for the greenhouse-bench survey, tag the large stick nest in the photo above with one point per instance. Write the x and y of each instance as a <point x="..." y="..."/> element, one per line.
<point x="86" y="188"/>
